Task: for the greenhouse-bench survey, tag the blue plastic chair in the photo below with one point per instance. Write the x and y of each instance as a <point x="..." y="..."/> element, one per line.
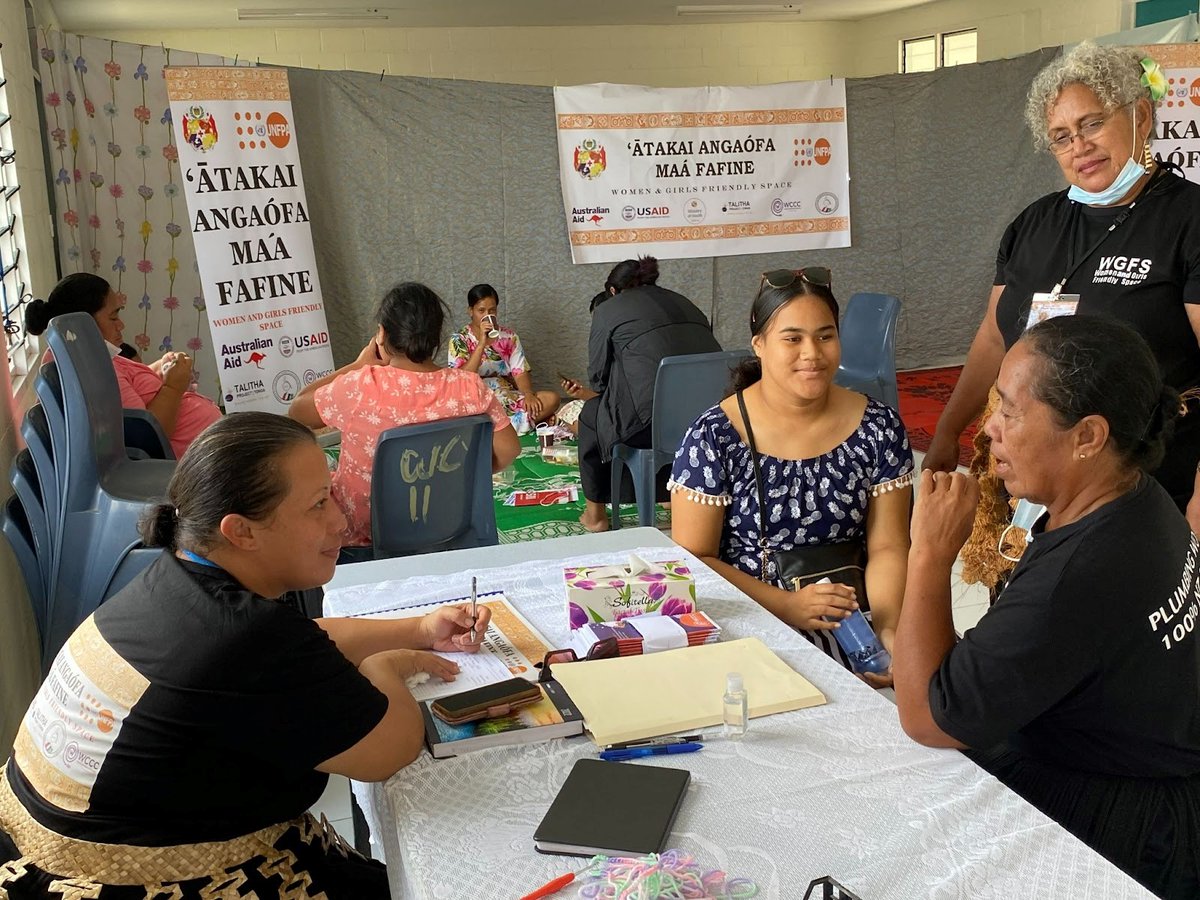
<point x="144" y="436"/>
<point x="35" y="429"/>
<point x="104" y="493"/>
<point x="23" y="477"/>
<point x="684" y="387"/>
<point x="868" y="333"/>
<point x="431" y="488"/>
<point x="15" y="526"/>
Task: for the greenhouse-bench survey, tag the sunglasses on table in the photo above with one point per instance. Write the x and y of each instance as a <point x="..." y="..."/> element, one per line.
<point x="785" y="278"/>
<point x="828" y="889"/>
<point x="605" y="649"/>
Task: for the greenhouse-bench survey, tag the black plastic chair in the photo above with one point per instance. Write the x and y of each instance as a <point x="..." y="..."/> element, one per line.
<point x="431" y="488"/>
<point x="684" y="387"/>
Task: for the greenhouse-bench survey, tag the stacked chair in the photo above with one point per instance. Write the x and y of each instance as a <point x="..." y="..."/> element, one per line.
<point x="72" y="521"/>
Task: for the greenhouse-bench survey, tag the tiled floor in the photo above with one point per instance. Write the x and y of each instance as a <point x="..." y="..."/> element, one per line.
<point x="968" y="604"/>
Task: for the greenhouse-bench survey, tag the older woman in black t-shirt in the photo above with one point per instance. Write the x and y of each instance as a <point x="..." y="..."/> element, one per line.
<point x="189" y="723"/>
<point x="1122" y="241"/>
<point x="1078" y="687"/>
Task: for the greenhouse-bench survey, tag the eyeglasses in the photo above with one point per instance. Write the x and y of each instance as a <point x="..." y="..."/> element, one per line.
<point x="829" y="889"/>
<point x="605" y="649"/>
<point x="784" y="278"/>
<point x="1087" y="131"/>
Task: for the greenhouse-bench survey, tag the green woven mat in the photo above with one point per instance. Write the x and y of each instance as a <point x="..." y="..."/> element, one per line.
<point x="533" y="523"/>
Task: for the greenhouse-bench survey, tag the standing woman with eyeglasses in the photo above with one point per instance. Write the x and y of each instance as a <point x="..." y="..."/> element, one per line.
<point x="1123" y="241"/>
<point x="835" y="468"/>
<point x="635" y="324"/>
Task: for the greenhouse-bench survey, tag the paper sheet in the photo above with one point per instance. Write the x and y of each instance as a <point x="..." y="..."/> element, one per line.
<point x="637" y="697"/>
<point x="510" y="647"/>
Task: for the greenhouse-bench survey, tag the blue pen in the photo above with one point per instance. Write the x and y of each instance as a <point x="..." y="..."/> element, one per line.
<point x="639" y="752"/>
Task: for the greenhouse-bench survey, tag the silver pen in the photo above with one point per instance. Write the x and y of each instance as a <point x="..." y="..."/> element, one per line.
<point x="474" y="601"/>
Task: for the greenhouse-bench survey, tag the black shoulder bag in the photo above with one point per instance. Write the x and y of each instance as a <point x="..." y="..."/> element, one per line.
<point x="844" y="561"/>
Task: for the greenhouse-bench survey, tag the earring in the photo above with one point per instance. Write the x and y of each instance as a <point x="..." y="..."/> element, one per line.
<point x="1147" y="156"/>
<point x="1083" y="456"/>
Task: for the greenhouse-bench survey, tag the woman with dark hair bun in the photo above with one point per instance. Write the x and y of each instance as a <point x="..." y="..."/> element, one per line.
<point x="187" y="725"/>
<point x="1078" y="687"/>
<point x="162" y="388"/>
<point x="634" y="327"/>
<point x="394" y="381"/>
<point x="836" y="467"/>
<point x="500" y="361"/>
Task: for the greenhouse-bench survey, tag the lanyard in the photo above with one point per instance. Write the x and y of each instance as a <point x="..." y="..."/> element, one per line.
<point x="1117" y="223"/>
<point x="197" y="558"/>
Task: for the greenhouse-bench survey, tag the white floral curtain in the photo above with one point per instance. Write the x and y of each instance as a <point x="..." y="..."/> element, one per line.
<point x="117" y="198"/>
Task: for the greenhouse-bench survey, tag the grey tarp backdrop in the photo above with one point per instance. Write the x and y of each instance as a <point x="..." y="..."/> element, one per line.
<point x="456" y="182"/>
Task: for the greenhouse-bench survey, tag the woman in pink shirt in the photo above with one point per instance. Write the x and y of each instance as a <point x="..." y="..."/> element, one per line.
<point x="161" y="388"/>
<point x="394" y="382"/>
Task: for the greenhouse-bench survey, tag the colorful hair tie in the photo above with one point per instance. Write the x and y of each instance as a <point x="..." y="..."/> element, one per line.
<point x="673" y="875"/>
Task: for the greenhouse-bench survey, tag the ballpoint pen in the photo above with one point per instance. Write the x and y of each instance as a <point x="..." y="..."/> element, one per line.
<point x="474" y="602"/>
<point x="640" y="752"/>
<point x="656" y="741"/>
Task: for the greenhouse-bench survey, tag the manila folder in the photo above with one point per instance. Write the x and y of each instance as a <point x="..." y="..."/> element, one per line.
<point x="634" y="697"/>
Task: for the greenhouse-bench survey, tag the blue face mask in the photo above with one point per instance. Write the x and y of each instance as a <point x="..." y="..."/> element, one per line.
<point x="1024" y="518"/>
<point x="1122" y="185"/>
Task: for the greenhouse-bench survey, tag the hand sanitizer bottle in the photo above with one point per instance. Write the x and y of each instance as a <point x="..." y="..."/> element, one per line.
<point x="736" y="711"/>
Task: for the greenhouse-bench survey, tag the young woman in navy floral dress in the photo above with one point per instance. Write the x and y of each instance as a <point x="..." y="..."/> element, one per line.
<point x="836" y="467"/>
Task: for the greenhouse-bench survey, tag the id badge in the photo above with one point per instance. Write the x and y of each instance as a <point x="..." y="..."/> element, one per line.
<point x="1047" y="305"/>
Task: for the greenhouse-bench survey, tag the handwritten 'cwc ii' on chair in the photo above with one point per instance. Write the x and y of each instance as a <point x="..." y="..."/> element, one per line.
<point x="431" y="488"/>
<point x="104" y="493"/>
<point x="868" y="334"/>
<point x="684" y="387"/>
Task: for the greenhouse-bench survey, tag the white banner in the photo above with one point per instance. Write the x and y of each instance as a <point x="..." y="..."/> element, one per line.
<point x="710" y="171"/>
<point x="249" y="220"/>
<point x="1177" y="134"/>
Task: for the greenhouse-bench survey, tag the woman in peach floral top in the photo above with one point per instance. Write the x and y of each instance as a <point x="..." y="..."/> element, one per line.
<point x="394" y="381"/>
<point x="500" y="361"/>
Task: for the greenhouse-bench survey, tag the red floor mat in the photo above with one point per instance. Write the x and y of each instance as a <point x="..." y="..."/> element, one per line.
<point x="923" y="396"/>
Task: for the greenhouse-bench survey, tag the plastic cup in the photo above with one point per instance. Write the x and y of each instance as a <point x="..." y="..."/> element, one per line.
<point x="493" y="326"/>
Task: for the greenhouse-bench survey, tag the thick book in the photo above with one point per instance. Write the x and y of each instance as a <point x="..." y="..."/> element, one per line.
<point x="551" y="717"/>
<point x="612" y="808"/>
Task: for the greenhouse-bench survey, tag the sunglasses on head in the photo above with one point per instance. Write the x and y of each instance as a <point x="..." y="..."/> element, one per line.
<point x="605" y="649"/>
<point x="784" y="278"/>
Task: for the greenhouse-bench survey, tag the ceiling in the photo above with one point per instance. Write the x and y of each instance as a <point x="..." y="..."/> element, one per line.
<point x="105" y="15"/>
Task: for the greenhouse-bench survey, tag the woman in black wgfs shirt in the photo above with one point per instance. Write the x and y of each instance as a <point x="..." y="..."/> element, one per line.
<point x="1078" y="688"/>
<point x="189" y="723"/>
<point x="1125" y="238"/>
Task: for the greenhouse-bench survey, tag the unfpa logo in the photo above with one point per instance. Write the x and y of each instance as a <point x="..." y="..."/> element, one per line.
<point x="279" y="132"/>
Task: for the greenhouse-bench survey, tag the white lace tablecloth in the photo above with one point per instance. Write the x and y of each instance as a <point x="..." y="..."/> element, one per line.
<point x="837" y="790"/>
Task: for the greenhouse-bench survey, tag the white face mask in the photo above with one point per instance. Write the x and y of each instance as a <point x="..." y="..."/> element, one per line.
<point x="1122" y="185"/>
<point x="1024" y="518"/>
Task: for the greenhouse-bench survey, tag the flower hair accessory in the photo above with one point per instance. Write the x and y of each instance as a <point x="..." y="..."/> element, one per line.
<point x="1153" y="79"/>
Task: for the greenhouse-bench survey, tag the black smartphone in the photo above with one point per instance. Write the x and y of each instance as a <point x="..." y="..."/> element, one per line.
<point x="484" y="702"/>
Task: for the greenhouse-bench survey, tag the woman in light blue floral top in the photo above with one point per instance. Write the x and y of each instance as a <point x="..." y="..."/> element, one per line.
<point x="500" y="361"/>
<point x="836" y="467"/>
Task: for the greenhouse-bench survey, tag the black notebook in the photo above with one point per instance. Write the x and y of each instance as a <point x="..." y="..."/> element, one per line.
<point x="612" y="808"/>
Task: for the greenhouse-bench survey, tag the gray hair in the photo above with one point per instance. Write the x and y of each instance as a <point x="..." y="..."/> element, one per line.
<point x="1113" y="74"/>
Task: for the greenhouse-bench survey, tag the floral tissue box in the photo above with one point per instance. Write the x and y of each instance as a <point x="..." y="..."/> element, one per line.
<point x="612" y="593"/>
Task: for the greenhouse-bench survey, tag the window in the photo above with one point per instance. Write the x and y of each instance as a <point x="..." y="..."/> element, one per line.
<point x="14" y="262"/>
<point x="951" y="48"/>
<point x="918" y="54"/>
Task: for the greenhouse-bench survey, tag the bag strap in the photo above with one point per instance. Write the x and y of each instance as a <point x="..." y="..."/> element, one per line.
<point x="763" y="545"/>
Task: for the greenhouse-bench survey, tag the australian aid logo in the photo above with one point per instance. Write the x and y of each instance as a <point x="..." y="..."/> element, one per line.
<point x="1123" y="270"/>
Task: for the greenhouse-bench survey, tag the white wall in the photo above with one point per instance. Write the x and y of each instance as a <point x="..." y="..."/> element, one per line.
<point x="19" y="670"/>
<point x="659" y="55"/>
